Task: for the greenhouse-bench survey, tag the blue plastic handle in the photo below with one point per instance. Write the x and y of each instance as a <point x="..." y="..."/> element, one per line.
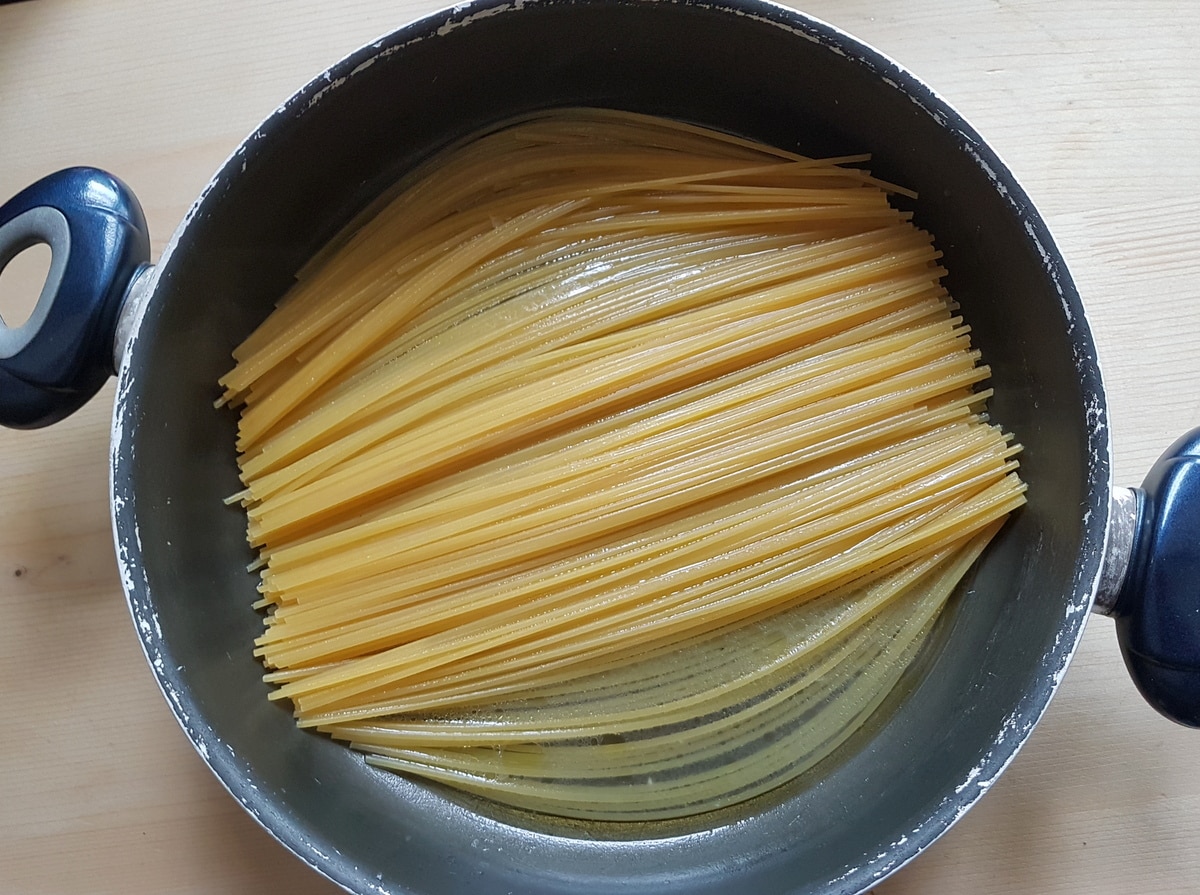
<point x="53" y="363"/>
<point x="1158" y="610"/>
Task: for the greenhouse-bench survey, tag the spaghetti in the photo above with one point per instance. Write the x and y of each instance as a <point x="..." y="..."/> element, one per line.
<point x="615" y="468"/>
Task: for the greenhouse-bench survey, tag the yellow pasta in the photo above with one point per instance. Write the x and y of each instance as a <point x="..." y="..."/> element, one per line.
<point x="612" y="467"/>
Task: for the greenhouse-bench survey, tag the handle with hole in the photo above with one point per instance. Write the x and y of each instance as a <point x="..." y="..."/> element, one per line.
<point x="54" y="362"/>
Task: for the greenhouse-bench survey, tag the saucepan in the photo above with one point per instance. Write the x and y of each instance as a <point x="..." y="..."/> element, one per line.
<point x="751" y="68"/>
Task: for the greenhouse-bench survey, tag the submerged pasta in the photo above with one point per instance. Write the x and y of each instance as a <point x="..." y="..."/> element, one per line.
<point x="615" y="469"/>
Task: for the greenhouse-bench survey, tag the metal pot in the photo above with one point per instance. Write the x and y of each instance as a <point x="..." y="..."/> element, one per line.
<point x="752" y="68"/>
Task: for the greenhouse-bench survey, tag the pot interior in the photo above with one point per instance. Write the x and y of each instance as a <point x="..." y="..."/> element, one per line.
<point x="758" y="71"/>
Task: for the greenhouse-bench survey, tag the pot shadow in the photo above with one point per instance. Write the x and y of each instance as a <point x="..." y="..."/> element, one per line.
<point x="58" y="534"/>
<point x="1087" y="805"/>
<point x="92" y="759"/>
<point x="249" y="860"/>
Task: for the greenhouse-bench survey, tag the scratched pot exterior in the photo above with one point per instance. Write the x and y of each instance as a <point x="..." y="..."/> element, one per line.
<point x="758" y="70"/>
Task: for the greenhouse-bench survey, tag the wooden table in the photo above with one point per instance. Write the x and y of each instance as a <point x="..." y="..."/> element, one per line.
<point x="1093" y="103"/>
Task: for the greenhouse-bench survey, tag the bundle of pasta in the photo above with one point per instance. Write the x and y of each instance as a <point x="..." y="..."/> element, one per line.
<point x="615" y="468"/>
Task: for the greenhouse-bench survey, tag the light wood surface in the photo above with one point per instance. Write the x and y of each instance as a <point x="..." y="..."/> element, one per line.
<point x="1093" y="103"/>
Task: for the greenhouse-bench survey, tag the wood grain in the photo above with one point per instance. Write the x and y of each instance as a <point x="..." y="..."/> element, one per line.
<point x="1093" y="104"/>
